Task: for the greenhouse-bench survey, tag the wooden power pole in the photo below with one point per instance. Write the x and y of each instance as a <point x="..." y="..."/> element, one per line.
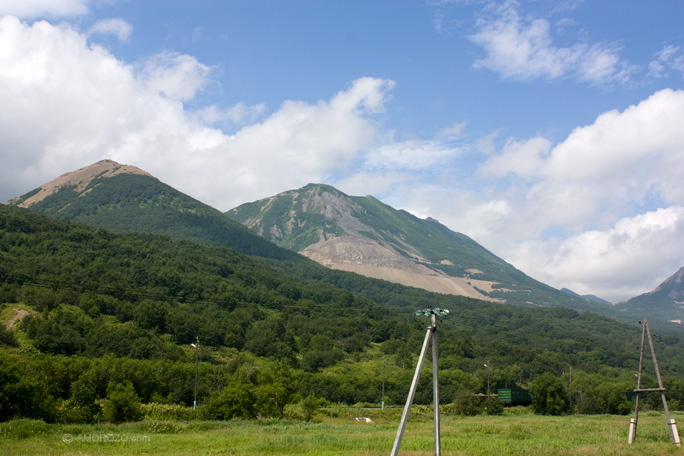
<point x="672" y="425"/>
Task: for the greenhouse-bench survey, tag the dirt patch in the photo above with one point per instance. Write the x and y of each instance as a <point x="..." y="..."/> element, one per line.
<point x="80" y="179"/>
<point x="18" y="316"/>
<point x="371" y="259"/>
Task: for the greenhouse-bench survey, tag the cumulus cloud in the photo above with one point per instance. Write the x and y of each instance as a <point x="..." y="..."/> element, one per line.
<point x="522" y="48"/>
<point x="67" y="104"/>
<point x="524" y="158"/>
<point x="634" y="255"/>
<point x="118" y="27"/>
<point x="565" y="213"/>
<point x="177" y="76"/>
<point x="563" y="201"/>
<point x="618" y="159"/>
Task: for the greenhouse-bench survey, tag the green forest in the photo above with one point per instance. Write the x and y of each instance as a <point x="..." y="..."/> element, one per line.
<point x="98" y="326"/>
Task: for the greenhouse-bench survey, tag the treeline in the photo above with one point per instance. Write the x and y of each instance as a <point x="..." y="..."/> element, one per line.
<point x="108" y="320"/>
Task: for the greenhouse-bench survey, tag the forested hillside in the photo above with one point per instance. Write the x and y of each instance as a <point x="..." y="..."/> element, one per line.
<point x="92" y="320"/>
<point x="141" y="203"/>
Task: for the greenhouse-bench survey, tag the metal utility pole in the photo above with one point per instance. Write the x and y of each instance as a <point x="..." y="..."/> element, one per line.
<point x="196" y="345"/>
<point x="487" y="366"/>
<point x="430" y="334"/>
<point x="672" y="425"/>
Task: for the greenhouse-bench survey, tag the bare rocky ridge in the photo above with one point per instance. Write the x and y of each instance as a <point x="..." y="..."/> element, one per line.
<point x="673" y="287"/>
<point x="79" y="179"/>
<point x="362" y="249"/>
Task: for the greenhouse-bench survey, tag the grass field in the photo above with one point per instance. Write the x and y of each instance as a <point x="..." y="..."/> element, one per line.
<point x="523" y="434"/>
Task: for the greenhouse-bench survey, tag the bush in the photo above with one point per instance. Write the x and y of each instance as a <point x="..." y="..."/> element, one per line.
<point x="122" y="403"/>
<point x="468" y="405"/>
<point x="235" y="401"/>
<point x="492" y="406"/>
<point x="23" y="428"/>
<point x="471" y="405"/>
<point x="549" y="396"/>
<point x="310" y="406"/>
<point x="307" y="408"/>
<point x="154" y="411"/>
<point x="69" y="411"/>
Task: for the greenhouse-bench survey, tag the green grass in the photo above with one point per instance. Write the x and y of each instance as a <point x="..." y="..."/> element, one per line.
<point x="527" y="435"/>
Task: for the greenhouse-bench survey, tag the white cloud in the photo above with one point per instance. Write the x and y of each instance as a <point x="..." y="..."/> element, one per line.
<point x="612" y="163"/>
<point x="67" y="104"/>
<point x="628" y="151"/>
<point x="524" y="158"/>
<point x="522" y="48"/>
<point x="634" y="255"/>
<point x="409" y="155"/>
<point x="555" y="218"/>
<point x="118" y="27"/>
<point x="372" y="183"/>
<point x="177" y="76"/>
<point x="668" y="58"/>
<point x="238" y="114"/>
<point x="453" y="131"/>
<point x="50" y="8"/>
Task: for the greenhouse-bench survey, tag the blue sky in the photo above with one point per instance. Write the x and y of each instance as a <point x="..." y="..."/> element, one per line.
<point x="548" y="131"/>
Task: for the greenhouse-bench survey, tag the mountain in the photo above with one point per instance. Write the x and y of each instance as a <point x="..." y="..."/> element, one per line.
<point x="103" y="311"/>
<point x="363" y="235"/>
<point x="665" y="304"/>
<point x="588" y="297"/>
<point x="124" y="198"/>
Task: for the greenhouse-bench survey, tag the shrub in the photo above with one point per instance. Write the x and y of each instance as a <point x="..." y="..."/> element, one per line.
<point x="549" y="396"/>
<point x="22" y="428"/>
<point x="467" y="405"/>
<point x="155" y="411"/>
<point x="69" y="411"/>
<point x="310" y="406"/>
<point x="122" y="403"/>
<point x="235" y="401"/>
<point x="492" y="406"/>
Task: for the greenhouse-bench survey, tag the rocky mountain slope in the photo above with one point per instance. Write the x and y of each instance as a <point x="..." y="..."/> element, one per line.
<point x="664" y="304"/>
<point x="363" y="235"/>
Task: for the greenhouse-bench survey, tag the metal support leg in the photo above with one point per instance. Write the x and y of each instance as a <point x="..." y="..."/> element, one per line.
<point x="635" y="421"/>
<point x="412" y="392"/>
<point x="435" y="386"/>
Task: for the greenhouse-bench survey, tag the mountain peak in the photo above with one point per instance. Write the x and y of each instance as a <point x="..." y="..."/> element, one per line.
<point x="673" y="286"/>
<point x="663" y="304"/>
<point x="78" y="180"/>
<point x="367" y="236"/>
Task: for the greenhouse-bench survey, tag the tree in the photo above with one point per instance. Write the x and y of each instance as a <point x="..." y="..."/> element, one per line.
<point x="122" y="403"/>
<point x="235" y="401"/>
<point x="548" y="395"/>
